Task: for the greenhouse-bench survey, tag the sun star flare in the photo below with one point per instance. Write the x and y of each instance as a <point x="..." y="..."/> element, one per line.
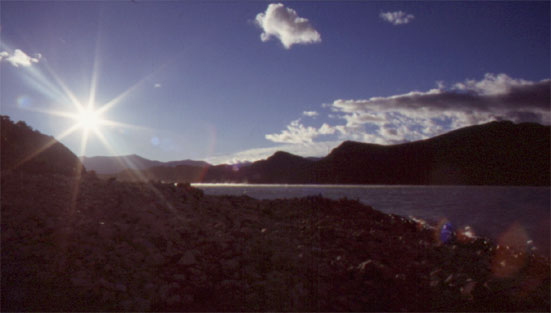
<point x="89" y="119"/>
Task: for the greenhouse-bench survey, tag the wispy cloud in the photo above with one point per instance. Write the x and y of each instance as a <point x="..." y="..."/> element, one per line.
<point x="297" y="133"/>
<point x="19" y="58"/>
<point x="285" y="24"/>
<point x="157" y="85"/>
<point x="397" y="17"/>
<point x="310" y="113"/>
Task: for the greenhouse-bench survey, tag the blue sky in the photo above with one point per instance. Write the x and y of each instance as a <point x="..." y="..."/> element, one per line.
<point x="239" y="80"/>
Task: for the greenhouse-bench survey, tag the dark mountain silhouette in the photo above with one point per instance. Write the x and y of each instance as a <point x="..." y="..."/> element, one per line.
<point x="116" y="164"/>
<point x="282" y="167"/>
<point x="497" y="153"/>
<point x="25" y="149"/>
<point x="179" y="173"/>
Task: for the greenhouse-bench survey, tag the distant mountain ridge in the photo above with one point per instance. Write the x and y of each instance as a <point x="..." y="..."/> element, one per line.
<point x="116" y="164"/>
<point x="496" y="153"/>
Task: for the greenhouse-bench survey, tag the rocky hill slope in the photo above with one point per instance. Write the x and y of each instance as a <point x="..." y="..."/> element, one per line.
<point x="497" y="153"/>
<point x="27" y="150"/>
<point x="100" y="245"/>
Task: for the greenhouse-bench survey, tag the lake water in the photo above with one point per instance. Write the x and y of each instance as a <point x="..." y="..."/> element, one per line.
<point x="500" y="213"/>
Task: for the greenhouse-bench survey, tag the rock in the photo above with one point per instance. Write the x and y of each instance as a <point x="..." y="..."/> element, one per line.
<point x="188" y="259"/>
<point x="102" y="282"/>
<point x="174" y="300"/>
<point x="142" y="305"/>
<point x="229" y="283"/>
<point x="120" y="287"/>
<point x="180" y="277"/>
<point x="127" y="305"/>
<point x="80" y="279"/>
<point x="187" y="299"/>
<point x="156" y="259"/>
<point x="163" y="292"/>
<point x="231" y="265"/>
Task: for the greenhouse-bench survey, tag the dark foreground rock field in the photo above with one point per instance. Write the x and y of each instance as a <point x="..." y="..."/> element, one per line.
<point x="99" y="245"/>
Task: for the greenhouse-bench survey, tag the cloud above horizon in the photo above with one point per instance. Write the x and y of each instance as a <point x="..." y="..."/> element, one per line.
<point x="397" y="17"/>
<point x="492" y="98"/>
<point x="285" y="24"/>
<point x="19" y="58"/>
<point x="411" y="116"/>
<point x="297" y="133"/>
<point x="419" y="115"/>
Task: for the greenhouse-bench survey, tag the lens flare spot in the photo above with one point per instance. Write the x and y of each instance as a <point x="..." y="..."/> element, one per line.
<point x="24" y="102"/>
<point x="508" y="260"/>
<point x="155" y="141"/>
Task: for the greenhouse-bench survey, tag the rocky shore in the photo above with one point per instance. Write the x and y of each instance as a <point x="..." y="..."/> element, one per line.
<point x="99" y="245"/>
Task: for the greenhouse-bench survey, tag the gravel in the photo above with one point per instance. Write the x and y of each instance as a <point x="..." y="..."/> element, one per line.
<point x="87" y="244"/>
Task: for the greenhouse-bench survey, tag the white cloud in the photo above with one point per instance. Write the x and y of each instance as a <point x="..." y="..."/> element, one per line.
<point x="325" y="129"/>
<point x="495" y="96"/>
<point x="492" y="84"/>
<point x="297" y="133"/>
<point x="310" y="113"/>
<point x="285" y="24"/>
<point x="157" y="85"/>
<point x="19" y="58"/>
<point x="419" y="115"/>
<point x="397" y="17"/>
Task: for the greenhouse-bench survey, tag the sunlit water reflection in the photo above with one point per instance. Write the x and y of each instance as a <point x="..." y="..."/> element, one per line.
<point x="490" y="211"/>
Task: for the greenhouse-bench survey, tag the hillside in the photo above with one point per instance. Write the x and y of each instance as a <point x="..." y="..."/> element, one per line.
<point x="497" y="153"/>
<point x="27" y="150"/>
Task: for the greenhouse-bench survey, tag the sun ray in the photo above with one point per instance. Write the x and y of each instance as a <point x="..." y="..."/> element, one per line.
<point x="53" y="112"/>
<point x="84" y="141"/>
<point x="38" y="81"/>
<point x="68" y="93"/>
<point x="94" y="83"/>
<point x="141" y="177"/>
<point x="106" y="143"/>
<point x="125" y="93"/>
<point x="121" y="96"/>
<point x="123" y="125"/>
<point x="46" y="146"/>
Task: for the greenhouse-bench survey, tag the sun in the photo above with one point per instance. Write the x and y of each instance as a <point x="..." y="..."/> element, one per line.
<point x="89" y="119"/>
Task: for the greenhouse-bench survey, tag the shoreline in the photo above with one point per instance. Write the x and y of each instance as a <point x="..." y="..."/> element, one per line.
<point x="113" y="245"/>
